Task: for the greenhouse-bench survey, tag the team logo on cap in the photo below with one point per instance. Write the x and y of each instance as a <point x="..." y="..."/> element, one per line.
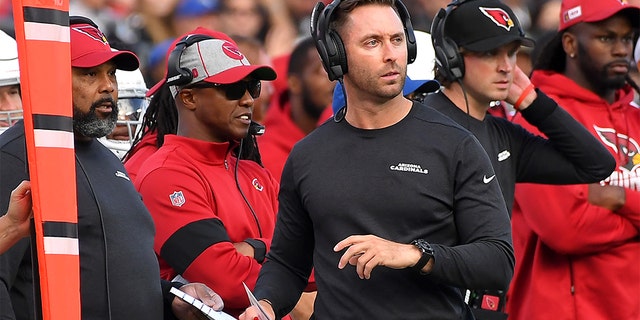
<point x="92" y="33"/>
<point x="232" y="51"/>
<point x="500" y="17"/>
<point x="572" y="13"/>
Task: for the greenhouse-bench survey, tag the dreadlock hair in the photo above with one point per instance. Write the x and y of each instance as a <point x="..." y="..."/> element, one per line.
<point x="249" y="150"/>
<point x="161" y="117"/>
<point x="164" y="116"/>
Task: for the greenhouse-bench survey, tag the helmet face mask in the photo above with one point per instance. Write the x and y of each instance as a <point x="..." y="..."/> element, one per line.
<point x="9" y="78"/>
<point x="132" y="103"/>
<point x="129" y="118"/>
<point x="9" y="118"/>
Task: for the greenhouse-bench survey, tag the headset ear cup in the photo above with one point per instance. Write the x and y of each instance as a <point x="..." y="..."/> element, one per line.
<point x="441" y="61"/>
<point x="177" y="76"/>
<point x="455" y="61"/>
<point x="448" y="58"/>
<point x="340" y="60"/>
<point x="412" y="51"/>
<point x="318" y="28"/>
<point x="324" y="57"/>
<point x="412" y="47"/>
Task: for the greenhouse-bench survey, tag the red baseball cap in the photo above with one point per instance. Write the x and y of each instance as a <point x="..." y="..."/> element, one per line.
<point x="216" y="60"/>
<point x="90" y="48"/>
<point x="219" y="61"/>
<point x="575" y="11"/>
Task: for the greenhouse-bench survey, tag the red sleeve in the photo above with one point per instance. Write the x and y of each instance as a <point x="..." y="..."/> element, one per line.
<point x="564" y="220"/>
<point x="179" y="198"/>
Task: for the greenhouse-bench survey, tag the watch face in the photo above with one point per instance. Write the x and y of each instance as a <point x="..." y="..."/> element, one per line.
<point x="423" y="245"/>
<point x="427" y="254"/>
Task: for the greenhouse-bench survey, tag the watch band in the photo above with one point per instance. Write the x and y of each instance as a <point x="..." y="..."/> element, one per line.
<point x="427" y="253"/>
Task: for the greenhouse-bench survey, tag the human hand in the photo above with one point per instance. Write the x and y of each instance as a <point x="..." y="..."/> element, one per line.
<point x="20" y="207"/>
<point x="185" y="311"/>
<point x="369" y="251"/>
<point x="244" y="249"/>
<point x="252" y="312"/>
<point x="607" y="196"/>
<point x="16" y="224"/>
<point x="519" y="87"/>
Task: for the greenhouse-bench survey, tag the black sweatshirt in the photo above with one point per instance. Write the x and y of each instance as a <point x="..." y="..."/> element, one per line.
<point x="126" y="262"/>
<point x="570" y="155"/>
<point x="422" y="178"/>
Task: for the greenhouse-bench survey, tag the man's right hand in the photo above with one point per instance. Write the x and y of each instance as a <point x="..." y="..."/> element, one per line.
<point x="608" y="197"/>
<point x="252" y="312"/>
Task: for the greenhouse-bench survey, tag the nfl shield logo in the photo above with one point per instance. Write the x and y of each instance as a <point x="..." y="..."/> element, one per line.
<point x="177" y="198"/>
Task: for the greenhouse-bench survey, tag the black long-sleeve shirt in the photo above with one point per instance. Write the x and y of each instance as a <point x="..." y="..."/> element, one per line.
<point x="115" y="233"/>
<point x="422" y="178"/>
<point x="570" y="155"/>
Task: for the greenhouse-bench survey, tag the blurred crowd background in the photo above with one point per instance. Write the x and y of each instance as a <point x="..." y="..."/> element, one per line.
<point x="147" y="27"/>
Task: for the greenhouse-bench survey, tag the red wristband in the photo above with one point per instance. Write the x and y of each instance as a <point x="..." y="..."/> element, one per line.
<point x="524" y="94"/>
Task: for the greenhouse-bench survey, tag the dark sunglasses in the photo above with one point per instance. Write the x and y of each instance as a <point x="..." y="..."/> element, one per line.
<point x="236" y="90"/>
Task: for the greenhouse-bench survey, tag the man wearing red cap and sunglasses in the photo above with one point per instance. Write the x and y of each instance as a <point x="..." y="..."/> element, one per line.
<point x="578" y="247"/>
<point x="214" y="211"/>
<point x="119" y="274"/>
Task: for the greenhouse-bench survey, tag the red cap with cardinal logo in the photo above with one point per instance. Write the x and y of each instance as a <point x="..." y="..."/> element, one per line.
<point x="90" y="48"/>
<point x="484" y="25"/>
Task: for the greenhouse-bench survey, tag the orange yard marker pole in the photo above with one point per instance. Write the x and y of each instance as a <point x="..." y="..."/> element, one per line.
<point x="42" y="34"/>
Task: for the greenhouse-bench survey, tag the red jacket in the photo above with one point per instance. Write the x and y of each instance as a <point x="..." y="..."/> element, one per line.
<point x="575" y="260"/>
<point x="140" y="153"/>
<point x="189" y="187"/>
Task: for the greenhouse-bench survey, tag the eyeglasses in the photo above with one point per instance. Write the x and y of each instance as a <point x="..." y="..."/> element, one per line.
<point x="236" y="90"/>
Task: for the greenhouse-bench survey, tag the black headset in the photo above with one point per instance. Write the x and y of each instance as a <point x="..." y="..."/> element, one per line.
<point x="330" y="45"/>
<point x="177" y="76"/>
<point x="448" y="58"/>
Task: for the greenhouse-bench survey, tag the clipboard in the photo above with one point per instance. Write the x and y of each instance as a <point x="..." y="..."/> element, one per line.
<point x="208" y="311"/>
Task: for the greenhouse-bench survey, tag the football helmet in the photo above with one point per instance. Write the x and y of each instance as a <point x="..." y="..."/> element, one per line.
<point x="10" y="78"/>
<point x="132" y="103"/>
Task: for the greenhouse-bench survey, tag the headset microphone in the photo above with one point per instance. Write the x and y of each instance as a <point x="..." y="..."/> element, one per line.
<point x="256" y="129"/>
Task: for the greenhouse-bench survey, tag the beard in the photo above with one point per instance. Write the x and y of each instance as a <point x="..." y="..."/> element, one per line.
<point x="366" y="82"/>
<point x="600" y="79"/>
<point x="89" y="125"/>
